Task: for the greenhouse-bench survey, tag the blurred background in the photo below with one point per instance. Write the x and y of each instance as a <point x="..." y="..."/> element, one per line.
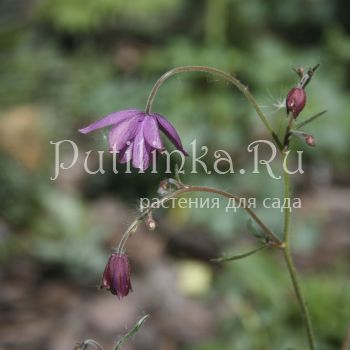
<point x="65" y="63"/>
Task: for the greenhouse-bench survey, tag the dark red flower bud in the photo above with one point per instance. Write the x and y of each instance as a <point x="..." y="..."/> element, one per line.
<point x="116" y="276"/>
<point x="295" y="101"/>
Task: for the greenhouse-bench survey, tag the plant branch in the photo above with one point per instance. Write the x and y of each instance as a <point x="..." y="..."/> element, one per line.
<point x="301" y="300"/>
<point x="240" y="256"/>
<point x="309" y="120"/>
<point x="291" y="268"/>
<point x="128" y="335"/>
<point x="274" y="240"/>
<point x="287" y="195"/>
<point x="286" y="138"/>
<point x="242" y="88"/>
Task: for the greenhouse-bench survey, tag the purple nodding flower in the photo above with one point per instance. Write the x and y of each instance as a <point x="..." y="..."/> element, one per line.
<point x="116" y="276"/>
<point x="135" y="135"/>
<point x="295" y="101"/>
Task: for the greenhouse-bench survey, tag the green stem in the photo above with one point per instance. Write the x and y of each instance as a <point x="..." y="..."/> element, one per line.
<point x="288" y="129"/>
<point x="239" y="256"/>
<point x="291" y="267"/>
<point x="287" y="252"/>
<point x="275" y="241"/>
<point x="242" y="88"/>
<point x="287" y="195"/>
<point x="301" y="300"/>
<point x="128" y="335"/>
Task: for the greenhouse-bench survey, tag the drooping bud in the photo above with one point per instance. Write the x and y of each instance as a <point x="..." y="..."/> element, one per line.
<point x="151" y="224"/>
<point x="295" y="101"/>
<point x="169" y="185"/>
<point x="310" y="140"/>
<point x="163" y="188"/>
<point x="116" y="276"/>
<point x="300" y="71"/>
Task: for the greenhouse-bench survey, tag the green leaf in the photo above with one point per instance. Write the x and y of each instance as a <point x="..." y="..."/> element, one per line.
<point x="309" y="120"/>
<point x="127" y="336"/>
<point x="240" y="256"/>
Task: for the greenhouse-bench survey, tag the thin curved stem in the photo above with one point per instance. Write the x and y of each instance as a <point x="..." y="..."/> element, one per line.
<point x="86" y="343"/>
<point x="291" y="267"/>
<point x="188" y="189"/>
<point x="222" y="74"/>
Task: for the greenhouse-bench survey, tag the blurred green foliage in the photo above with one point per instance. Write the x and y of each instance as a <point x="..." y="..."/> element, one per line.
<point x="77" y="60"/>
<point x="88" y="15"/>
<point x="260" y="300"/>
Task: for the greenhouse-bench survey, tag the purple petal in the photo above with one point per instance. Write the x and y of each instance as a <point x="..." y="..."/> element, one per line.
<point x="170" y="132"/>
<point x="126" y="154"/>
<point x="151" y="132"/>
<point x="107" y="275"/>
<point x="111" y="119"/>
<point x="141" y="153"/>
<point x="122" y="133"/>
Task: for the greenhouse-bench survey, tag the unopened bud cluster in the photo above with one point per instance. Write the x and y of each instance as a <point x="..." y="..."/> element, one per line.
<point x="295" y="103"/>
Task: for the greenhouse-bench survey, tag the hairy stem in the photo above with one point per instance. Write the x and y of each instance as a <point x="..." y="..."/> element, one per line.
<point x="287" y="195"/>
<point x="214" y="71"/>
<point x="292" y="270"/>
<point x="288" y="129"/>
<point x="274" y="240"/>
